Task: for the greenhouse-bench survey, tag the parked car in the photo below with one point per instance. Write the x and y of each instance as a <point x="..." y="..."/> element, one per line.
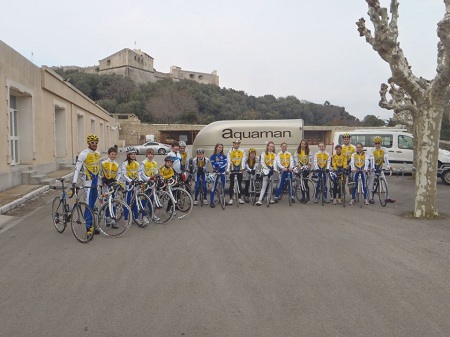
<point x="159" y="148"/>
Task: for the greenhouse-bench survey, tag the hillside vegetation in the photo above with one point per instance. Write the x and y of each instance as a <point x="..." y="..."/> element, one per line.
<point x="190" y="102"/>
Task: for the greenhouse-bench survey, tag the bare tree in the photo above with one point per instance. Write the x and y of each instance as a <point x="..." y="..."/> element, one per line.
<point x="426" y="100"/>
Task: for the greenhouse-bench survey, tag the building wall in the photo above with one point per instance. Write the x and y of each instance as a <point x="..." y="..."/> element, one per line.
<point x="53" y="119"/>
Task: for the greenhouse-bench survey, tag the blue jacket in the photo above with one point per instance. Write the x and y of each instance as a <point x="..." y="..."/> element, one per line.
<point x="219" y="162"/>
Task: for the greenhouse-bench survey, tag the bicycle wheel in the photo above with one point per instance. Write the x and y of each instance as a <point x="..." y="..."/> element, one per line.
<point x="269" y="192"/>
<point x="322" y="187"/>
<point x="298" y="189"/>
<point x="201" y="193"/>
<point x="382" y="191"/>
<point x="236" y="193"/>
<point x="220" y="194"/>
<point x="58" y="214"/>
<point x="111" y="222"/>
<point x="289" y="190"/>
<point x="184" y="202"/>
<point x="252" y="191"/>
<point x="82" y="219"/>
<point x="144" y="208"/>
<point x="360" y="192"/>
<point x="343" y="193"/>
<point x="163" y="207"/>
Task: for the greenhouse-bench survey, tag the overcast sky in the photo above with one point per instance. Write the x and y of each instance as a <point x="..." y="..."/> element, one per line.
<point x="309" y="49"/>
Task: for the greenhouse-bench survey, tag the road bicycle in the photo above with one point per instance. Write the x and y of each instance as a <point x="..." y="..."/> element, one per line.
<point x="303" y="185"/>
<point x="219" y="193"/>
<point x="288" y="187"/>
<point x="180" y="198"/>
<point x="80" y="215"/>
<point x="236" y="190"/>
<point x="359" y="186"/>
<point x="140" y="204"/>
<point x="252" y="188"/>
<point x="163" y="203"/>
<point x="111" y="213"/>
<point x="321" y="188"/>
<point x="341" y="186"/>
<point x="201" y="188"/>
<point x="380" y="187"/>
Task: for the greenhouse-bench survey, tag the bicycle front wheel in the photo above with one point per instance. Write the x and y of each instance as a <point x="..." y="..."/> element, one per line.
<point x="220" y="194"/>
<point x="289" y="190"/>
<point x="382" y="192"/>
<point x="252" y="191"/>
<point x="111" y="220"/>
<point x="343" y="193"/>
<point x="360" y="192"/>
<point x="82" y="220"/>
<point x="184" y="202"/>
<point x="163" y="207"/>
<point x="58" y="215"/>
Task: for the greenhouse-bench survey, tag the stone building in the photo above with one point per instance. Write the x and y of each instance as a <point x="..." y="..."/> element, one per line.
<point x="139" y="67"/>
<point x="44" y="121"/>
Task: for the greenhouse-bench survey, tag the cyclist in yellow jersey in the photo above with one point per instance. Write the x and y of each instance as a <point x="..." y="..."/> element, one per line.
<point x="235" y="166"/>
<point x="322" y="161"/>
<point x="185" y="156"/>
<point x="348" y="149"/>
<point x="199" y="168"/>
<point x="268" y="167"/>
<point x="359" y="164"/>
<point x="339" y="166"/>
<point x="148" y="170"/>
<point x="303" y="163"/>
<point x="251" y="165"/>
<point x="285" y="164"/>
<point x="89" y="161"/>
<point x="109" y="175"/>
<point x="378" y="157"/>
<point x="167" y="171"/>
<point x="130" y="173"/>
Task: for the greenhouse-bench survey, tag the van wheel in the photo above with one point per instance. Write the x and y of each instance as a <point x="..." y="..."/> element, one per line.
<point x="445" y="176"/>
<point x="162" y="151"/>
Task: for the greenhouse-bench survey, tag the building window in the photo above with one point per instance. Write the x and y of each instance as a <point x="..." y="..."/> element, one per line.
<point x="13" y="130"/>
<point x="192" y="76"/>
<point x="200" y="77"/>
<point x="108" y="63"/>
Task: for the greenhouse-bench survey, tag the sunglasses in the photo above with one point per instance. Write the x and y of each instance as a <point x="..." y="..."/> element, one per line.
<point x="377" y="143"/>
<point x="93" y="143"/>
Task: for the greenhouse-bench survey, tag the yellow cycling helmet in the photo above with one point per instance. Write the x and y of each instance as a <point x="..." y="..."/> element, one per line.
<point x="252" y="149"/>
<point x="92" y="138"/>
<point x="377" y="139"/>
<point x="346" y="135"/>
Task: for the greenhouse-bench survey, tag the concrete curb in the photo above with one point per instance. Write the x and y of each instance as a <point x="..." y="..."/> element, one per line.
<point x="26" y="197"/>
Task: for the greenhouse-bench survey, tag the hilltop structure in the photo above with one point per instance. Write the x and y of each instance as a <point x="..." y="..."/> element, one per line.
<point x="139" y="67"/>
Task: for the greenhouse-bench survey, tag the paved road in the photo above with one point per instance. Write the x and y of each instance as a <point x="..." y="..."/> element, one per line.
<point x="304" y="270"/>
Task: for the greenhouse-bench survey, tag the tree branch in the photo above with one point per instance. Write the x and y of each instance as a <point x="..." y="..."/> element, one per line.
<point x="442" y="79"/>
<point x="384" y="42"/>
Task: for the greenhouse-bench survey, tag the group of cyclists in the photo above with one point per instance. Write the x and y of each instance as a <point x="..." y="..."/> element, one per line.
<point x="349" y="160"/>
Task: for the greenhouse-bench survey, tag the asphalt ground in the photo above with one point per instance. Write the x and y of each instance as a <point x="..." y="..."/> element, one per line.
<point x="300" y="270"/>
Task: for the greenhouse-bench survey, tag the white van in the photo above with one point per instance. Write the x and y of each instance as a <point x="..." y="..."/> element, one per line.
<point x="397" y="142"/>
<point x="253" y="133"/>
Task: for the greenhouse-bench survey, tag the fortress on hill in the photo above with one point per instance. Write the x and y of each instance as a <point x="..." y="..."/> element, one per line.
<point x="139" y="67"/>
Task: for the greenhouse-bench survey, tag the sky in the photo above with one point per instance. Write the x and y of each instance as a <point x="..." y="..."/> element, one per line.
<point x="309" y="49"/>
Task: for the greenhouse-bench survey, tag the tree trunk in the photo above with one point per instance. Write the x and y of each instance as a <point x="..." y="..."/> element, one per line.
<point x="427" y="133"/>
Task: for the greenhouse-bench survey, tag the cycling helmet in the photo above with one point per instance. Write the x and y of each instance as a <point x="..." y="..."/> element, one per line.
<point x="237" y="140"/>
<point x="210" y="177"/>
<point x="377" y="139"/>
<point x="130" y="149"/>
<point x="182" y="143"/>
<point x="252" y="149"/>
<point x="200" y="150"/>
<point x="92" y="138"/>
<point x="346" y="135"/>
<point x="168" y="158"/>
<point x="184" y="176"/>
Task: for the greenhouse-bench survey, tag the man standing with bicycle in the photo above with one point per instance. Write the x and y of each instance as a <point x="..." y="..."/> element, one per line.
<point x="236" y="160"/>
<point x="89" y="161"/>
<point x="285" y="164"/>
<point x="377" y="158"/>
<point x="348" y="150"/>
<point x="199" y="167"/>
<point x="322" y="162"/>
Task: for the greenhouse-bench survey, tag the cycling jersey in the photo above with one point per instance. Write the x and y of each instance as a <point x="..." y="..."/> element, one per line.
<point x="359" y="161"/>
<point x="322" y="160"/>
<point x="148" y="169"/>
<point x="176" y="156"/>
<point x="235" y="158"/>
<point x="302" y="159"/>
<point x="200" y="164"/>
<point x="284" y="160"/>
<point x="109" y="171"/>
<point x="348" y="150"/>
<point x="268" y="160"/>
<point x="184" y="159"/>
<point x="339" y="161"/>
<point x="90" y="161"/>
<point x="219" y="162"/>
<point x="166" y="172"/>
<point x="130" y="171"/>
<point x="378" y="157"/>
